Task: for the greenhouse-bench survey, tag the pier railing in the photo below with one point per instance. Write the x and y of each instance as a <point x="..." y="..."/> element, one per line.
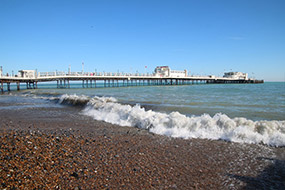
<point x="61" y="74"/>
<point x="56" y="73"/>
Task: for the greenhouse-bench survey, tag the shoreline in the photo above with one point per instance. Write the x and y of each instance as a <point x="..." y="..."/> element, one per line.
<point x="58" y="148"/>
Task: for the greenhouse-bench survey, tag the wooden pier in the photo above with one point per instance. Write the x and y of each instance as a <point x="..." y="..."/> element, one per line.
<point x="91" y="80"/>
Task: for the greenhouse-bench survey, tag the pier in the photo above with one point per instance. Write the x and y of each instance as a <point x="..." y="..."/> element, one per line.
<point x="31" y="79"/>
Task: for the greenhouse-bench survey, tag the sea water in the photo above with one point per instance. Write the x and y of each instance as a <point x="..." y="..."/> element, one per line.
<point x="245" y="113"/>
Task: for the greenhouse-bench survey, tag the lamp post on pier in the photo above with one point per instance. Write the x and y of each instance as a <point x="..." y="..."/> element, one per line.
<point x="82" y="68"/>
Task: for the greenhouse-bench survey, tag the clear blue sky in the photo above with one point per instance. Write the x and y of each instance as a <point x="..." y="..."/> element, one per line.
<point x="203" y="36"/>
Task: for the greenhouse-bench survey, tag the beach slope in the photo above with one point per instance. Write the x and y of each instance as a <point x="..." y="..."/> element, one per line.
<point x="57" y="148"/>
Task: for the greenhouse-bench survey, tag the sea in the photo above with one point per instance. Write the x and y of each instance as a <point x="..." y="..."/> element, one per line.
<point x="243" y="113"/>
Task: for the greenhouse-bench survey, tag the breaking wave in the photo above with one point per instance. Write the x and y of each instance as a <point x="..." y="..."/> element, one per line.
<point x="74" y="100"/>
<point x="174" y="124"/>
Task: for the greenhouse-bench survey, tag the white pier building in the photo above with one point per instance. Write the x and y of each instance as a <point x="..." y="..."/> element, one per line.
<point x="165" y="71"/>
<point x="236" y="75"/>
<point x="27" y="73"/>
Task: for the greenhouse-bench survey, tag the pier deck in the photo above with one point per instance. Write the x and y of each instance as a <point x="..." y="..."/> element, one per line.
<point x="90" y="80"/>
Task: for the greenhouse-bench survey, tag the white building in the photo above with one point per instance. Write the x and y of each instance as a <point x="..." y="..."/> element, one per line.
<point x="236" y="75"/>
<point x="27" y="73"/>
<point x="1" y="71"/>
<point x="165" y="71"/>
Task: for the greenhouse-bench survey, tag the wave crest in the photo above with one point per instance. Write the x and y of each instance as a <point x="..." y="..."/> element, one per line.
<point x="74" y="100"/>
<point x="220" y="126"/>
<point x="82" y="100"/>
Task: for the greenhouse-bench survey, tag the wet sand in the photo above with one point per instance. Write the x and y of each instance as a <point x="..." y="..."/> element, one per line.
<point x="56" y="148"/>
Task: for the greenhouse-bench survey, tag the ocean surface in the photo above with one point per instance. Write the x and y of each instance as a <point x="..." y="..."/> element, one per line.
<point x="244" y="113"/>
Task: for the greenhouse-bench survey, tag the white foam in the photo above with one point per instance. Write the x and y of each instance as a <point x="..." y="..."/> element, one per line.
<point x="220" y="126"/>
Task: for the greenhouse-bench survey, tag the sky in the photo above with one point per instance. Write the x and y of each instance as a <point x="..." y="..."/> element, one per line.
<point x="206" y="37"/>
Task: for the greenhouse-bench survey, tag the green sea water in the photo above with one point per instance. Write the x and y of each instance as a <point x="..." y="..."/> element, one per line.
<point x="253" y="101"/>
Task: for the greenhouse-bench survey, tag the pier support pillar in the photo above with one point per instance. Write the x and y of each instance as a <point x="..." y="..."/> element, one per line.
<point x="18" y="86"/>
<point x="8" y="86"/>
<point x="2" y="88"/>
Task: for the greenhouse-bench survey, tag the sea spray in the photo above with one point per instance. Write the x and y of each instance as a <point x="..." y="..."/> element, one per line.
<point x="174" y="124"/>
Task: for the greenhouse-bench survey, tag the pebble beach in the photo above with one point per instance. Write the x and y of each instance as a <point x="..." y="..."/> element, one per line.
<point x="142" y="95"/>
<point x="48" y="148"/>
